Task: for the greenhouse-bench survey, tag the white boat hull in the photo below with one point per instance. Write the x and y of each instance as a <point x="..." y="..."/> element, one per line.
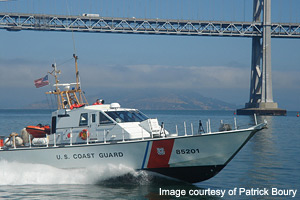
<point x="188" y="158"/>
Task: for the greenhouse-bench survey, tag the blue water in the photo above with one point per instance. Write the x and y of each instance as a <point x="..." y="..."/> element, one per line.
<point x="269" y="160"/>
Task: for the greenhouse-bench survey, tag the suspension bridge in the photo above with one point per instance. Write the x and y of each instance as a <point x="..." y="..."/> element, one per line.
<point x="260" y="29"/>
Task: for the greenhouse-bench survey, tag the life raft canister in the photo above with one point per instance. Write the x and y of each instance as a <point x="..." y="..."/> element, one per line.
<point x="84" y="134"/>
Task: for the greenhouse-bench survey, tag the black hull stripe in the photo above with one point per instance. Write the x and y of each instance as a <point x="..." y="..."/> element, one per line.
<point x="190" y="174"/>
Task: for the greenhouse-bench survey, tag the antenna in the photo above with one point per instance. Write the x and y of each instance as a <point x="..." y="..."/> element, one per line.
<point x="76" y="72"/>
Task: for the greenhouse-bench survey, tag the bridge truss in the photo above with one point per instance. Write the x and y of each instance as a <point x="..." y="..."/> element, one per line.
<point x="17" y="22"/>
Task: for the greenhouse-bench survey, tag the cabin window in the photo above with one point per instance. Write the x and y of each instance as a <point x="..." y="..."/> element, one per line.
<point x="140" y="115"/>
<point x="83" y="119"/>
<point x="93" y="118"/>
<point x="104" y="119"/>
<point x="127" y="116"/>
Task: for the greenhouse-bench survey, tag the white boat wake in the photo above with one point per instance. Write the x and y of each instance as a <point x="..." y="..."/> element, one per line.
<point x="13" y="173"/>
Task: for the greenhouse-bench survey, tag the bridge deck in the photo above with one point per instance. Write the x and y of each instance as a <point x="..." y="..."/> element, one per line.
<point x="19" y="21"/>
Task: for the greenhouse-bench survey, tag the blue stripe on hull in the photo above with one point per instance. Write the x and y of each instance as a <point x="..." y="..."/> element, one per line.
<point x="146" y="152"/>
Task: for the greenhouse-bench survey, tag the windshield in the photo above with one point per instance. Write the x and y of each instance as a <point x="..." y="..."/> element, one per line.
<point x="127" y="116"/>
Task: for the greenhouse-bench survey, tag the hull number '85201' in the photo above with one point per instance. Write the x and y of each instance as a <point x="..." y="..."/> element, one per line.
<point x="187" y="151"/>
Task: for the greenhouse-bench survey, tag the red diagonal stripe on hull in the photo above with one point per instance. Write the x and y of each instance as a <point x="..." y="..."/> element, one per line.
<point x="160" y="153"/>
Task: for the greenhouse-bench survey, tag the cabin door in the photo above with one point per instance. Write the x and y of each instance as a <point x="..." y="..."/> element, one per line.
<point x="93" y="126"/>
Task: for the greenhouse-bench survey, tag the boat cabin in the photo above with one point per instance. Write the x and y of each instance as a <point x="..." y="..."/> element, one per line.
<point x="102" y="123"/>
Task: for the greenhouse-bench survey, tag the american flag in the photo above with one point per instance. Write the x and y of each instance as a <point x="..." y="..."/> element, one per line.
<point x="41" y="82"/>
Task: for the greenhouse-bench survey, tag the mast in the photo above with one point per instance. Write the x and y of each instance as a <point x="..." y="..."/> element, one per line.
<point x="76" y="71"/>
<point x="55" y="73"/>
<point x="68" y="95"/>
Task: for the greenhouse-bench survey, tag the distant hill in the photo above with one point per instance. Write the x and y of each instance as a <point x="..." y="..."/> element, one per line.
<point x="164" y="100"/>
<point x="151" y="99"/>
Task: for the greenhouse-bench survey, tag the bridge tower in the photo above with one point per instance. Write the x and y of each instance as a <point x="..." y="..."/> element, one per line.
<point x="261" y="95"/>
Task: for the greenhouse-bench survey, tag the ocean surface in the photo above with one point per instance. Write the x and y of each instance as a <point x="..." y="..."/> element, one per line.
<point x="270" y="161"/>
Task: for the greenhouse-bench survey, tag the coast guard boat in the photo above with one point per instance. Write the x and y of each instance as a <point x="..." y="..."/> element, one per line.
<point x="82" y="135"/>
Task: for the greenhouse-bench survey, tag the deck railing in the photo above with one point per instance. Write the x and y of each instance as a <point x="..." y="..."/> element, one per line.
<point x="105" y="132"/>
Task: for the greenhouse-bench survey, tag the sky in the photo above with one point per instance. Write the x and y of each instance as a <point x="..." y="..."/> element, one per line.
<point x="217" y="67"/>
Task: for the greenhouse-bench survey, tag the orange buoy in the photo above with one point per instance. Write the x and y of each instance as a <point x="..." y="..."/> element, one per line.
<point x="297" y="114"/>
<point x="84" y="134"/>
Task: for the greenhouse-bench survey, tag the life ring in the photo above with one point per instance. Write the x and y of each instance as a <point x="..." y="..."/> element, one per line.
<point x="84" y="134"/>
